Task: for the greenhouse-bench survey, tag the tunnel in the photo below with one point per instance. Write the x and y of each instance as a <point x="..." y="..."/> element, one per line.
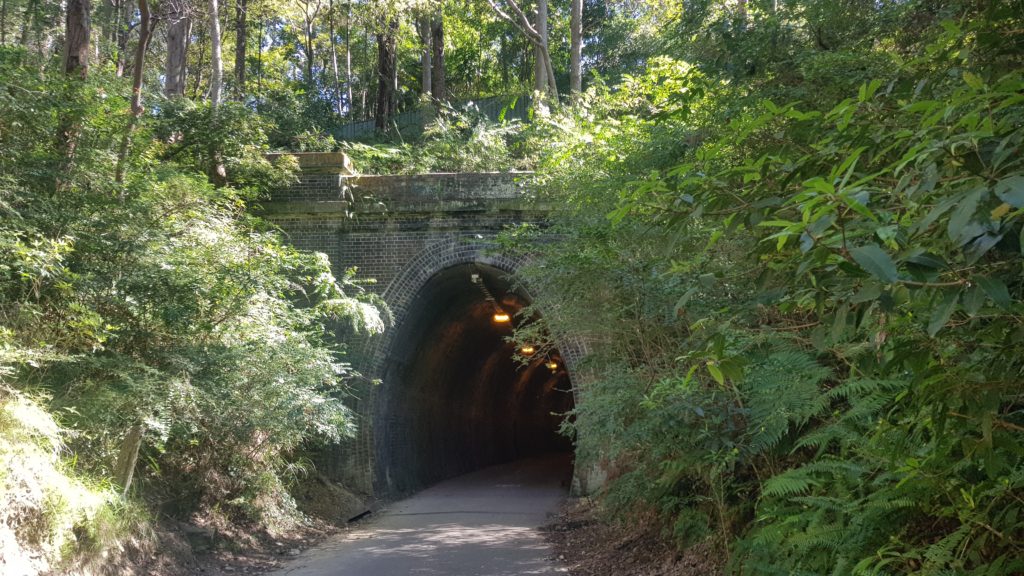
<point x="454" y="397"/>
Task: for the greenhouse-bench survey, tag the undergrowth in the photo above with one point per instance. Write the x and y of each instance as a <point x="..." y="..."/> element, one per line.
<point x="54" y="519"/>
<point x="800" y="287"/>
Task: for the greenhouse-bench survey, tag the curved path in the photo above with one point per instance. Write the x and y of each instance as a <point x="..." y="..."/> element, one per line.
<point x="481" y="524"/>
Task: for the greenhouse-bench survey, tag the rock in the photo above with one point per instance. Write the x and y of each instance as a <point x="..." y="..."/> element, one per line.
<point x="199" y="538"/>
<point x="294" y="552"/>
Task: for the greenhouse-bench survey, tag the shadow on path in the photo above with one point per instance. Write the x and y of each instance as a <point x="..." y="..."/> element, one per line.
<point x="481" y="524"/>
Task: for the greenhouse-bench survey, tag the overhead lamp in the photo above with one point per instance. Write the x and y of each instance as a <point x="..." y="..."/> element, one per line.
<point x="552" y="365"/>
<point x="501" y="317"/>
<point x="527" y="350"/>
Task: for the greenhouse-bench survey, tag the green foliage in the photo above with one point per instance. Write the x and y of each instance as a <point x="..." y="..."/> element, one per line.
<point x="192" y="137"/>
<point x="801" y="286"/>
<point x="157" y="303"/>
<point x="53" y="518"/>
<point x="456" y="140"/>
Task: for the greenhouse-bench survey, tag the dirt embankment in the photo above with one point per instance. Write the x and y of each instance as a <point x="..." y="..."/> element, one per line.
<point x="591" y="546"/>
<point x="208" y="547"/>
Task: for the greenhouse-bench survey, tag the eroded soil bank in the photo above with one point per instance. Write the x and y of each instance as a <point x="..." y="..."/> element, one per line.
<point x="589" y="545"/>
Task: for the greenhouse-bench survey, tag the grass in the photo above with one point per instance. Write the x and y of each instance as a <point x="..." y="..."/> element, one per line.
<point x="51" y="519"/>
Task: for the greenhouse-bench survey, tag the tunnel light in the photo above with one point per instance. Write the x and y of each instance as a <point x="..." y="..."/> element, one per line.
<point x="552" y="365"/>
<point x="527" y="350"/>
<point x="501" y="317"/>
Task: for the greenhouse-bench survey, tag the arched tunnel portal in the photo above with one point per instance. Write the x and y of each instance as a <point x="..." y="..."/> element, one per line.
<point x="454" y="397"/>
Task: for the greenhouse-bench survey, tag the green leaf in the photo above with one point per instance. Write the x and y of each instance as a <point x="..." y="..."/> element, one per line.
<point x="1011" y="191"/>
<point x="875" y="261"/>
<point x="996" y="290"/>
<point x="685" y="298"/>
<point x="821" y="185"/>
<point x="716" y="373"/>
<point x="839" y="323"/>
<point x="866" y="294"/>
<point x="973" y="80"/>
<point x="943" y="312"/>
<point x="973" y="299"/>
<point x="957" y="228"/>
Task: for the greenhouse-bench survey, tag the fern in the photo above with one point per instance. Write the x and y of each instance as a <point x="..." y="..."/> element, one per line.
<point x="789" y="483"/>
<point x="782" y="391"/>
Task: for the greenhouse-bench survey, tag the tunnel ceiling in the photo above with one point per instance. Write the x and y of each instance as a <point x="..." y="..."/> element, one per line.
<point x="453" y="397"/>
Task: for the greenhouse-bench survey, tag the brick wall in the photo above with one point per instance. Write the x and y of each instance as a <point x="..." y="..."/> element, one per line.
<point x="400" y="231"/>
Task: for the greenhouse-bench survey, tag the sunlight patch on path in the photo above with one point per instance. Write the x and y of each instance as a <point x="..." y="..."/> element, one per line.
<point x="481" y="524"/>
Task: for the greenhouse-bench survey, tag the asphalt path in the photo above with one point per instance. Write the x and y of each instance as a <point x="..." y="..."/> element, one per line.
<point x="482" y="524"/>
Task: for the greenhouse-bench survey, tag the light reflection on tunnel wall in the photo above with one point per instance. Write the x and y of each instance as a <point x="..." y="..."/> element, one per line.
<point x="453" y="398"/>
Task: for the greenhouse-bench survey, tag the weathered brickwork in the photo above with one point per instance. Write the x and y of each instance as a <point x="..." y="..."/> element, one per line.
<point x="400" y="231"/>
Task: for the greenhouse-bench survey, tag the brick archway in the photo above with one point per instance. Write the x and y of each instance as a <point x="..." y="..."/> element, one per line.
<point x="456" y="254"/>
<point x="405" y="232"/>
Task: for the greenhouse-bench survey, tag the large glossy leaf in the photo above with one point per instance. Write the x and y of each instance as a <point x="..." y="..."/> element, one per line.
<point x="875" y="261"/>
<point x="995" y="289"/>
<point x="943" y="312"/>
<point x="1011" y="191"/>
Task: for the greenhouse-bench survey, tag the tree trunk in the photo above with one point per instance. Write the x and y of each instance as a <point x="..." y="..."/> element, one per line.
<point x="241" y="39"/>
<point x="216" y="60"/>
<point x="259" y="55"/>
<point x="218" y="174"/>
<point x="307" y="48"/>
<point x="26" y="22"/>
<point x="198" y="77"/>
<point x="537" y="34"/>
<point x="178" y="31"/>
<point x="145" y="33"/>
<point x="123" y="19"/>
<point x="439" y="88"/>
<point x="128" y="457"/>
<point x="424" y="27"/>
<point x="309" y="36"/>
<point x="575" y="47"/>
<point x="75" y="65"/>
<point x="544" y="74"/>
<point x="348" y="59"/>
<point x="76" y="38"/>
<point x="540" y="76"/>
<point x="387" y="60"/>
<point x="3" y="22"/>
<point x="334" y="58"/>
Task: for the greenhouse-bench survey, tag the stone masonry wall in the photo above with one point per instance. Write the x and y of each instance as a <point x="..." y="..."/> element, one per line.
<point x="400" y="230"/>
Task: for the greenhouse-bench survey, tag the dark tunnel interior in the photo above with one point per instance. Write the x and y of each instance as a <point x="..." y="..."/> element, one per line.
<point x="454" y="398"/>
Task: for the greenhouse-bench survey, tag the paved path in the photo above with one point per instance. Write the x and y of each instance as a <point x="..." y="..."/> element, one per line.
<point x="481" y="524"/>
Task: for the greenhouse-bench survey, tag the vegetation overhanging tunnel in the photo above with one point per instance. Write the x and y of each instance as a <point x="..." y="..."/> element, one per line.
<point x="454" y="397"/>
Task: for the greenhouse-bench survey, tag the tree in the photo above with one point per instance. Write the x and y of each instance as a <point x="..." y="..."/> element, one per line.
<point x="425" y="28"/>
<point x="537" y="34"/>
<point x="334" y="58"/>
<point x="438" y="88"/>
<point x="76" y="38"/>
<point x="218" y="173"/>
<point x="241" y="39"/>
<point x="387" y="71"/>
<point x="575" y="47"/>
<point x="348" y="56"/>
<point x="138" y="73"/>
<point x="178" y="31"/>
<point x="75" y="65"/>
<point x="542" y="60"/>
<point x="310" y="12"/>
<point x="3" y="22"/>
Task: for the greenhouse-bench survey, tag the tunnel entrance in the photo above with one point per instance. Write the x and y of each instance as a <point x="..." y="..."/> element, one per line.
<point x="453" y="396"/>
